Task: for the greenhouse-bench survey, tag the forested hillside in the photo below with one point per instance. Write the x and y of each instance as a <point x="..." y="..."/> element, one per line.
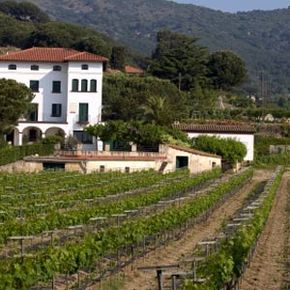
<point x="260" y="37"/>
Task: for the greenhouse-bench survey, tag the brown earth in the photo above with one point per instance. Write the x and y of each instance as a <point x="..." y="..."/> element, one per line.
<point x="175" y="251"/>
<point x="267" y="267"/>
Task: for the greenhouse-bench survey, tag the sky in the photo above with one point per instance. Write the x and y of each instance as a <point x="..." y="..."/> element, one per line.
<point x="240" y="5"/>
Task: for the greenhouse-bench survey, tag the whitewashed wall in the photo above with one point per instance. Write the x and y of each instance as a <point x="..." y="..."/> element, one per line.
<point x="247" y="139"/>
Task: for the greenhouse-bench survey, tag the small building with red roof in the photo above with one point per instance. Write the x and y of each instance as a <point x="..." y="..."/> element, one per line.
<point x="67" y="87"/>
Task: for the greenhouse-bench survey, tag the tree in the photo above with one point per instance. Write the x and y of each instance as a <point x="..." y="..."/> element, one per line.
<point x="118" y="58"/>
<point x="125" y="132"/>
<point x="202" y="99"/>
<point x="156" y="110"/>
<point x="226" y="70"/>
<point x="24" y="11"/>
<point x="15" y="100"/>
<point x="179" y="59"/>
<point x="125" y="97"/>
<point x="230" y="149"/>
<point x="93" y="44"/>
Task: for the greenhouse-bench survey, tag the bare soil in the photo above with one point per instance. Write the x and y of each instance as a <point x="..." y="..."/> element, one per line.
<point x="176" y="251"/>
<point x="267" y="267"/>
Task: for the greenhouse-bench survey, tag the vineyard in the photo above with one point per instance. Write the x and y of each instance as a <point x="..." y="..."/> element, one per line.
<point x="71" y="231"/>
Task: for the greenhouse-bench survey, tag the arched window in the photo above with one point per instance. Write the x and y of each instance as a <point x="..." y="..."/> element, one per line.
<point x="93" y="87"/>
<point x="85" y="67"/>
<point x="75" y="85"/>
<point x="34" y="67"/>
<point x="57" y="68"/>
<point x="84" y="87"/>
<point x="12" y="66"/>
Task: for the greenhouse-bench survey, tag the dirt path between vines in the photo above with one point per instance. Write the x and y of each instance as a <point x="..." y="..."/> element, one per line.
<point x="267" y="268"/>
<point x="177" y="250"/>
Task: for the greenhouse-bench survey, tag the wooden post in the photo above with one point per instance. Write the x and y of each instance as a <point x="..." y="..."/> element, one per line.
<point x="173" y="282"/>
<point x="159" y="279"/>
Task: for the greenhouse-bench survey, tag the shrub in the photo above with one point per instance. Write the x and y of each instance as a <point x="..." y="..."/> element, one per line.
<point x="230" y="149"/>
<point x="11" y="154"/>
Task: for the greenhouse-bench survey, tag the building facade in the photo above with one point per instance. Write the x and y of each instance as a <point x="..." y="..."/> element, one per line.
<point x="67" y="87"/>
<point x="239" y="132"/>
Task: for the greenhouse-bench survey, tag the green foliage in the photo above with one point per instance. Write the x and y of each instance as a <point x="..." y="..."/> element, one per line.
<point x="54" y="139"/>
<point x="179" y="59"/>
<point x="226" y="70"/>
<point x="125" y="97"/>
<point x="73" y="256"/>
<point x="202" y="99"/>
<point x="93" y="44"/>
<point x="227" y="264"/>
<point x="11" y="154"/>
<point x="136" y="132"/>
<point x="15" y="99"/>
<point x="230" y="149"/>
<point x="118" y="58"/>
<point x="262" y="144"/>
<point x="260" y="37"/>
<point x="26" y="34"/>
<point x="157" y="110"/>
<point x="24" y="11"/>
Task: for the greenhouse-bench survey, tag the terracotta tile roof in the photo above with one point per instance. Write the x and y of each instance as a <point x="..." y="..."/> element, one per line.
<point x="193" y="151"/>
<point x="133" y="70"/>
<point x="86" y="56"/>
<point x="47" y="54"/>
<point x="216" y="128"/>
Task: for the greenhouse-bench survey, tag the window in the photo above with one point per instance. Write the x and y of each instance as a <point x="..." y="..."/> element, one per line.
<point x="57" y="68"/>
<point x="12" y="66"/>
<point x="83" y="137"/>
<point x="75" y="85"/>
<point x="83" y="112"/>
<point x="93" y="87"/>
<point x="34" y="86"/>
<point x="33" y="113"/>
<point x="84" y="86"/>
<point x="56" y="87"/>
<point x="85" y="67"/>
<point x="34" y="67"/>
<point x="56" y="110"/>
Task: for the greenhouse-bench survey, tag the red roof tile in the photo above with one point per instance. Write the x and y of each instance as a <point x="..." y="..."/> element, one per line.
<point x="45" y="54"/>
<point x="133" y="70"/>
<point x="216" y="128"/>
<point x="193" y="151"/>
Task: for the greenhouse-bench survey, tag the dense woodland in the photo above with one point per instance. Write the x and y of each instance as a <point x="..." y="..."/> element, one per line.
<point x="261" y="38"/>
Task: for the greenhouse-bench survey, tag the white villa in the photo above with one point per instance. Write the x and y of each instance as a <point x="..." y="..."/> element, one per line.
<point x="68" y="91"/>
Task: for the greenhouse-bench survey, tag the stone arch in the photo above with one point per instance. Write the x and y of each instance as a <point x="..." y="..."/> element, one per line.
<point x="13" y="136"/>
<point x="31" y="134"/>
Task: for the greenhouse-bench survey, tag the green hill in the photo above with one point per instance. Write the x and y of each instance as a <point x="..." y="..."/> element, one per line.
<point x="260" y="37"/>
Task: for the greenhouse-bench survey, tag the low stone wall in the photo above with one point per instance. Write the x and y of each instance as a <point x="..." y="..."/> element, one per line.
<point x="21" y="166"/>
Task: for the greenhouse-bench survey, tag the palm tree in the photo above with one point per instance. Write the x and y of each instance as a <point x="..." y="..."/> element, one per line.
<point x="157" y="110"/>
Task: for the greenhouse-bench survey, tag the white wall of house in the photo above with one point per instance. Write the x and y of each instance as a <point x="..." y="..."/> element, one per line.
<point x="246" y="139"/>
<point x="196" y="163"/>
<point x="93" y="99"/>
<point x="69" y="119"/>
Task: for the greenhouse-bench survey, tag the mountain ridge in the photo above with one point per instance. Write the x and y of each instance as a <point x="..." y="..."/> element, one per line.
<point x="261" y="37"/>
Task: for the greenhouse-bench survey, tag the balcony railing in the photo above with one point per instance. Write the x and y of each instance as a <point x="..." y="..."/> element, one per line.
<point x="44" y="118"/>
<point x="90" y="119"/>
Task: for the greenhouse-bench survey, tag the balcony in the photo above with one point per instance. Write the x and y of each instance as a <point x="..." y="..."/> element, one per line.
<point x="85" y="120"/>
<point x="44" y="118"/>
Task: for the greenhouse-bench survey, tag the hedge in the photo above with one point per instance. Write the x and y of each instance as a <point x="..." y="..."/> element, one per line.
<point x="15" y="153"/>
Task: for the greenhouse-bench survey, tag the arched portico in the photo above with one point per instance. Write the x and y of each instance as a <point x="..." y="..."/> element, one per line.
<point x="31" y="134"/>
